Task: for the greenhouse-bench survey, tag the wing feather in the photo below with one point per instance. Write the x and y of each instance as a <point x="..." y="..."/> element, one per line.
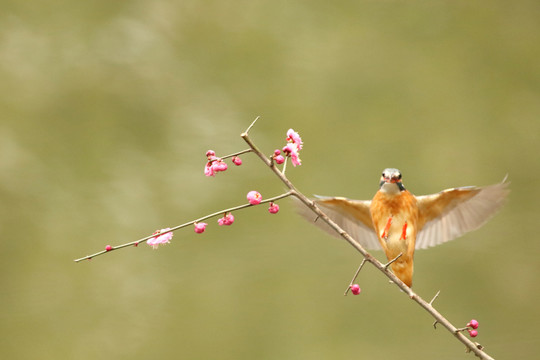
<point x="453" y="212"/>
<point x="353" y="216"/>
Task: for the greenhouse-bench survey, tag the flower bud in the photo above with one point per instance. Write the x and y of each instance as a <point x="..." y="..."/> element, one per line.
<point x="473" y="323"/>
<point x="273" y="209"/>
<point x="254" y="197"/>
<point x="237" y="161"/>
<point x="200" y="227"/>
<point x="355" y="289"/>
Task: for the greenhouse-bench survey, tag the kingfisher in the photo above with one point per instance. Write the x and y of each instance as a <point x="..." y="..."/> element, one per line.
<point x="399" y="222"/>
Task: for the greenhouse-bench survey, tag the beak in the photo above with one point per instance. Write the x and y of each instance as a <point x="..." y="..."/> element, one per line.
<point x="390" y="180"/>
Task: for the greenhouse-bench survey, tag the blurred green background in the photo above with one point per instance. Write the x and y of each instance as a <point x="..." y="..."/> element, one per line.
<point x="107" y="109"/>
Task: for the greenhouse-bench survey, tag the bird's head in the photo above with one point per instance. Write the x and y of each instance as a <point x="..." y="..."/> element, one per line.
<point x="391" y="181"/>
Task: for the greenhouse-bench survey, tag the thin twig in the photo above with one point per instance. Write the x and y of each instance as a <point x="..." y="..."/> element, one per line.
<point x="235" y="154"/>
<point x="355" y="276"/>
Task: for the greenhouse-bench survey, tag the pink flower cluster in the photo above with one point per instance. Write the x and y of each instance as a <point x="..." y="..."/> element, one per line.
<point x="214" y="164"/>
<point x="473" y="325"/>
<point x="162" y="237"/>
<point x="292" y="149"/>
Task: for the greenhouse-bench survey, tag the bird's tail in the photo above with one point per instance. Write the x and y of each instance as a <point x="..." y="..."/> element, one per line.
<point x="403" y="269"/>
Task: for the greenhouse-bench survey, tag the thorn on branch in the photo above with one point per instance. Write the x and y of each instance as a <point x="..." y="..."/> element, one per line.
<point x="434" y="298"/>
<point x="392" y="261"/>
<point x="249" y="127"/>
<point x="476" y="345"/>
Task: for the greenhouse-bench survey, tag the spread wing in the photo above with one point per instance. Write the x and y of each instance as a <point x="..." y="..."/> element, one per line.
<point x="453" y="212"/>
<point x="353" y="216"/>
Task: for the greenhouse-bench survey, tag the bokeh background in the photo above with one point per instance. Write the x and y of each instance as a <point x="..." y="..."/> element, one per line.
<point x="107" y="109"/>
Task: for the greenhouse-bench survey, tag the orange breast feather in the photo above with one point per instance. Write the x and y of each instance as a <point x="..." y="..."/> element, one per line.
<point x="395" y="215"/>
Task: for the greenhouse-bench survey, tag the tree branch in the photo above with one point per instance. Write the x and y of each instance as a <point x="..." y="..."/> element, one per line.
<point x="471" y="346"/>
<point x="271" y="163"/>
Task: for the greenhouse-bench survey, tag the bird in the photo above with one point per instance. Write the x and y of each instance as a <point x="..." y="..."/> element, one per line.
<point x="399" y="222"/>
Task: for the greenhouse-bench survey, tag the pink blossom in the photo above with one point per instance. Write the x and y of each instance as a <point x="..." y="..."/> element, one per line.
<point x="254" y="197"/>
<point x="355" y="289"/>
<point x="473" y="323"/>
<point x="291" y="149"/>
<point x="293" y="137"/>
<point x="210" y="153"/>
<point x="287" y="149"/>
<point x="236" y="160"/>
<point x="295" y="159"/>
<point x="108" y="248"/>
<point x="160" y="238"/>
<point x="200" y="227"/>
<point x="273" y="209"/>
<point x="227" y="219"/>
<point x="473" y="333"/>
